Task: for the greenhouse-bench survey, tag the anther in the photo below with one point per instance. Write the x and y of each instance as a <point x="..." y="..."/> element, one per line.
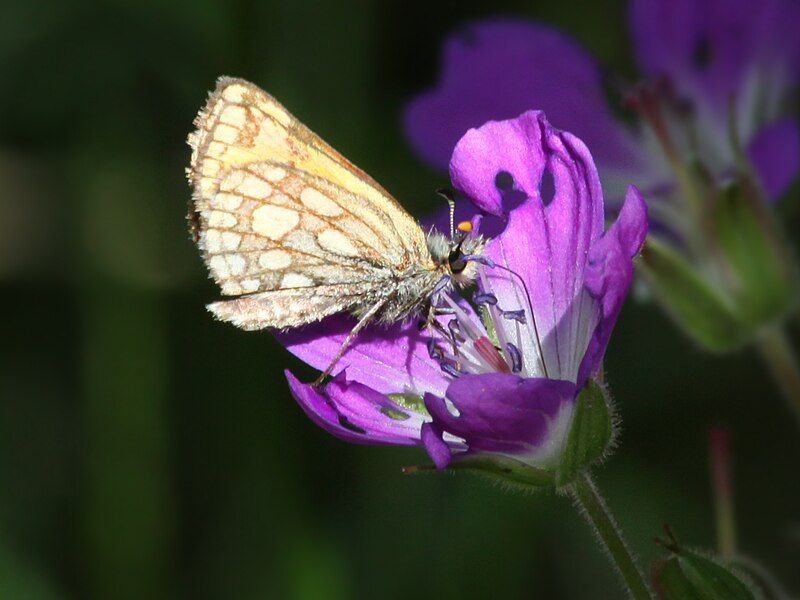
<point x="514" y="315"/>
<point x="484" y="298"/>
<point x="516" y="357"/>
<point x="450" y="369"/>
<point x="433" y="350"/>
<point x="455" y="329"/>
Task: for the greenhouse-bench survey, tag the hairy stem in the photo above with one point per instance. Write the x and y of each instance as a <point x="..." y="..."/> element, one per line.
<point x="719" y="455"/>
<point x="592" y="506"/>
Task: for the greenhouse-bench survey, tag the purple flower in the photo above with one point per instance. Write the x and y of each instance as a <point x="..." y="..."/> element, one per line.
<point x="501" y="373"/>
<point x="712" y="54"/>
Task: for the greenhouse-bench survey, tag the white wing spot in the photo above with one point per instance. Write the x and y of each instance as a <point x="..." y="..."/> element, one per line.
<point x="219" y="267"/>
<point x="249" y="285"/>
<point x="216" y="149"/>
<point x="234" y="92"/>
<point x="255" y="187"/>
<point x="275" y="174"/>
<point x="226" y="134"/>
<point x="221" y="220"/>
<point x="230" y="241"/>
<point x="236" y="264"/>
<point x="231" y="181"/>
<point x="293" y="280"/>
<point x="335" y="241"/>
<point x="319" y="202"/>
<point x="274" y="221"/>
<point x="229" y="202"/>
<point x="233" y="115"/>
<point x="231" y="288"/>
<point x="274" y="259"/>
<point x="269" y="172"/>
<point x="212" y="241"/>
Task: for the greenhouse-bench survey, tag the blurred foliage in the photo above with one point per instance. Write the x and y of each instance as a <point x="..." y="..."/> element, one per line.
<point x="149" y="452"/>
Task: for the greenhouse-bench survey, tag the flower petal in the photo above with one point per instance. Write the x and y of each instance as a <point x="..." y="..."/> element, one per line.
<point x="609" y="271"/>
<point x="717" y="50"/>
<point x="547" y="238"/>
<point x="503" y="413"/>
<point x="356" y="413"/>
<point x="775" y="154"/>
<point x="497" y="69"/>
<point x="387" y="359"/>
<point x="435" y="446"/>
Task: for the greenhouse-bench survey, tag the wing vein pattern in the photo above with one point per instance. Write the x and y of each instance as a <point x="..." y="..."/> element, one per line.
<point x="287" y="224"/>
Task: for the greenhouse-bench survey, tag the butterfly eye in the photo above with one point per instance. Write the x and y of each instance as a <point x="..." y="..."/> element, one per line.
<point x="456" y="260"/>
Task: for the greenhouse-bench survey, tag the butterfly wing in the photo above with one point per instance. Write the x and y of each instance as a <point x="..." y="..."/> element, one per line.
<point x="285" y="221"/>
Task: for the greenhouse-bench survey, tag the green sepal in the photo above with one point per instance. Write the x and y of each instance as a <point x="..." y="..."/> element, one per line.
<point x="691" y="576"/>
<point x="704" y="313"/>
<point x="589" y="435"/>
<point x="760" y="273"/>
<point x="505" y="469"/>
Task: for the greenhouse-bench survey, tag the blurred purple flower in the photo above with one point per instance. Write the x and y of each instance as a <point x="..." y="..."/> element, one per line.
<point x="502" y="374"/>
<point x="713" y="54"/>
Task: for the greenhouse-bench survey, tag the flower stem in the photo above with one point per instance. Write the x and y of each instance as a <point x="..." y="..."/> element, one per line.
<point x="594" y="509"/>
<point x="719" y="453"/>
<point x="781" y="360"/>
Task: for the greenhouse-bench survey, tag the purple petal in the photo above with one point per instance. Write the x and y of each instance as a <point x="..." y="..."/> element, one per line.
<point x="547" y="238"/>
<point x="499" y="412"/>
<point x="712" y="49"/>
<point x="498" y="69"/>
<point x="356" y="413"/>
<point x="387" y="359"/>
<point x="775" y="154"/>
<point x="435" y="446"/>
<point x="609" y="272"/>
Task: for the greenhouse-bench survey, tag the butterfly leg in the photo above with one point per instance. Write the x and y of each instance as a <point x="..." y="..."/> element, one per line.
<point x="365" y="319"/>
<point x="431" y="324"/>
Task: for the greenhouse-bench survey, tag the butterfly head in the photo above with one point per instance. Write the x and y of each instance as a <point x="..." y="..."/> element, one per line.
<point x="453" y="254"/>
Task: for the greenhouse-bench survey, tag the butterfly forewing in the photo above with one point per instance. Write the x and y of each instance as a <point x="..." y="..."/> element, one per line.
<point x="286" y="222"/>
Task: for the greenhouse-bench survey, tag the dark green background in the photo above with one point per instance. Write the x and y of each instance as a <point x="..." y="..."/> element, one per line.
<point x="147" y="451"/>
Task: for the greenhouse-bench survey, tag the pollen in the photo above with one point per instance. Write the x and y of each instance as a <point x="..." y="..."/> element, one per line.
<point x="464" y="227"/>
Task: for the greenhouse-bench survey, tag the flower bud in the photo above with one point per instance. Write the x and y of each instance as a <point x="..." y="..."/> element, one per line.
<point x="759" y="274"/>
<point x="688" y="574"/>
<point x="733" y="282"/>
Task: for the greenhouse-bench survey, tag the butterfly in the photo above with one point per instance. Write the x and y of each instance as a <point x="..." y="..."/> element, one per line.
<point x="294" y="232"/>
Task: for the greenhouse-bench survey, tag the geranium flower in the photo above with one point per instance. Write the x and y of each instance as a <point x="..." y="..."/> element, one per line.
<point x="712" y="56"/>
<point x="502" y="373"/>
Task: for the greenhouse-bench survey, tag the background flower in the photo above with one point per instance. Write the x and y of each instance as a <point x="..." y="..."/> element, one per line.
<point x="713" y="55"/>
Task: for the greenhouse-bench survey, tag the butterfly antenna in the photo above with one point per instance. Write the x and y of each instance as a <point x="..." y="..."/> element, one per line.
<point x="447" y="194"/>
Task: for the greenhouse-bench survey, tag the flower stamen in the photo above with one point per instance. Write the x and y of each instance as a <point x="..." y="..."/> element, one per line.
<point x="516" y="357"/>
